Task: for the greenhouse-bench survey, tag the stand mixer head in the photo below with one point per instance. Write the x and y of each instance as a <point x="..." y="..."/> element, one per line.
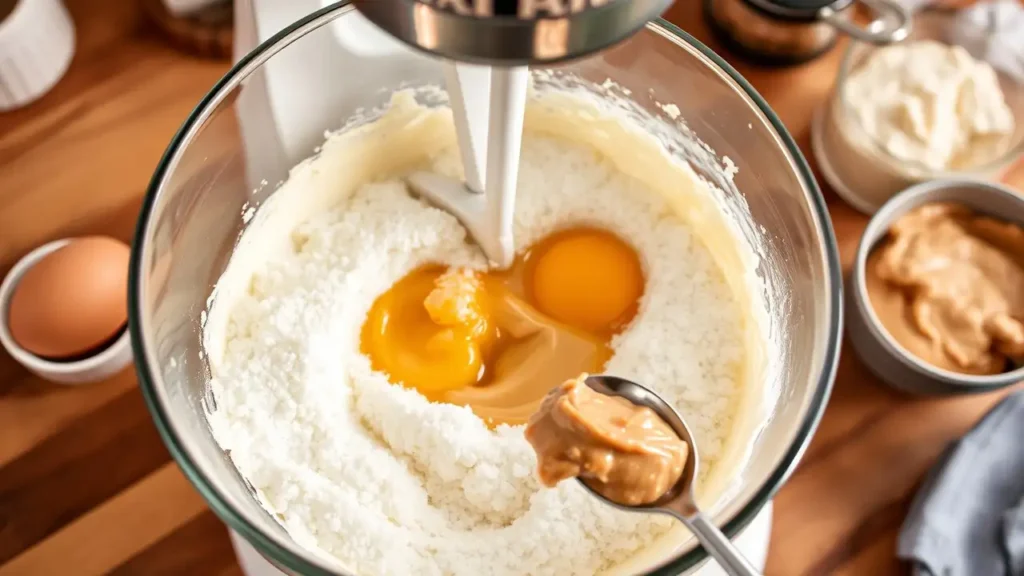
<point x="511" y="32"/>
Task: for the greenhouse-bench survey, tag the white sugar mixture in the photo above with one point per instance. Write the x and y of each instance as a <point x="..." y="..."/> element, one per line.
<point x="384" y="482"/>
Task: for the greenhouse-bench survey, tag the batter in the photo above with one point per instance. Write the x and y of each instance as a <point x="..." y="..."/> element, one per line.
<point x="376" y="462"/>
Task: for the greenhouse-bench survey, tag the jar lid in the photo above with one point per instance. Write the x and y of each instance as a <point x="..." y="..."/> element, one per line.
<point x="511" y="32"/>
<point x="804" y="4"/>
<point x="890" y="21"/>
<point x="799" y="9"/>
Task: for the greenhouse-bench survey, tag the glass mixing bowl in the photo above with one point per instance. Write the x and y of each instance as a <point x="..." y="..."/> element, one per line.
<point x="271" y="110"/>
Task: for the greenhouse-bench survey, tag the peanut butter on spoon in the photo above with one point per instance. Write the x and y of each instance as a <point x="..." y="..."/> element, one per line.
<point x="622" y="451"/>
<point x="948" y="285"/>
<point x="630" y="449"/>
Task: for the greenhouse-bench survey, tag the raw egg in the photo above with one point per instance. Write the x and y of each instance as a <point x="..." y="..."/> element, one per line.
<point x="499" y="341"/>
<point x="73" y="300"/>
<point x="586" y="278"/>
<point x="428" y="330"/>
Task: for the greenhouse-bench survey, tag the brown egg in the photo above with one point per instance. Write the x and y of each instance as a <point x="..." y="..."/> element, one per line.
<point x="74" y="300"/>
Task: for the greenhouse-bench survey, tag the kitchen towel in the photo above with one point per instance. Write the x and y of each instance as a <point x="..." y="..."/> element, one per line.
<point x="968" y="517"/>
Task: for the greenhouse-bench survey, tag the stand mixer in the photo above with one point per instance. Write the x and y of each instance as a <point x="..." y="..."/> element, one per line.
<point x="488" y="101"/>
<point x="488" y="46"/>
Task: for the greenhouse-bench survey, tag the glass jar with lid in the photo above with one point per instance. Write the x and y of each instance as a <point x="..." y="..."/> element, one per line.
<point x="782" y="32"/>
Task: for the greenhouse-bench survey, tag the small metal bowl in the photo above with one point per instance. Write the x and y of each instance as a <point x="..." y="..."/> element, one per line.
<point x="885" y="357"/>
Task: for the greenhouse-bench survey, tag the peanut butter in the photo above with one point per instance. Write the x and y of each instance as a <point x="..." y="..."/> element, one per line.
<point x="625" y="452"/>
<point x="948" y="285"/>
<point x="534" y="353"/>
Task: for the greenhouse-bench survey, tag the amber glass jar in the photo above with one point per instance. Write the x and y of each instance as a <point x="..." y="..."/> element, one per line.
<point x="782" y="32"/>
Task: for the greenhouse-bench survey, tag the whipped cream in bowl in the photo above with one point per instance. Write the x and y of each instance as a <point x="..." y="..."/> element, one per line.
<point x="925" y="108"/>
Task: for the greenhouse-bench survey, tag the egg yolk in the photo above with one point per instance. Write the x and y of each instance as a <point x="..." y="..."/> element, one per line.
<point x="586" y="278"/>
<point x="428" y="331"/>
<point x="499" y="341"/>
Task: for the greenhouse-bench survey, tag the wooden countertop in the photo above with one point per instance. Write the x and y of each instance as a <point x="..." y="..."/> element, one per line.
<point x="87" y="487"/>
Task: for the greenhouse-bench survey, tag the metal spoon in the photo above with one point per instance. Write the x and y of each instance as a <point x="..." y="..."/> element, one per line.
<point x="679" y="501"/>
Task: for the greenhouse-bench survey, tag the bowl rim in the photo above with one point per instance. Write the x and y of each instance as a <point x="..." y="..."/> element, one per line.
<point x="859" y="51"/>
<point x="280" y="555"/>
<point x="876" y="232"/>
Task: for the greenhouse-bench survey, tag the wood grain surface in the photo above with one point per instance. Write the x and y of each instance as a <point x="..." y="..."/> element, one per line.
<point x="86" y="486"/>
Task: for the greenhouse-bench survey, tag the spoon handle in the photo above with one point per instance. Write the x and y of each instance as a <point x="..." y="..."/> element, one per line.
<point x="720" y="547"/>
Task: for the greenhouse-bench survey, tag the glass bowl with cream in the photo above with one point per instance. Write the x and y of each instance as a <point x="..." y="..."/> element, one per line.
<point x="344" y="378"/>
<point x="946" y="102"/>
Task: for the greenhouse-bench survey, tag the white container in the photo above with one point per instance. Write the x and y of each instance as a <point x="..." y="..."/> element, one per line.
<point x="37" y="42"/>
<point x="100" y="366"/>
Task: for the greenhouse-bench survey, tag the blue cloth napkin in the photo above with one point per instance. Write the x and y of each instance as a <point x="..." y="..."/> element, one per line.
<point x="968" y="517"/>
